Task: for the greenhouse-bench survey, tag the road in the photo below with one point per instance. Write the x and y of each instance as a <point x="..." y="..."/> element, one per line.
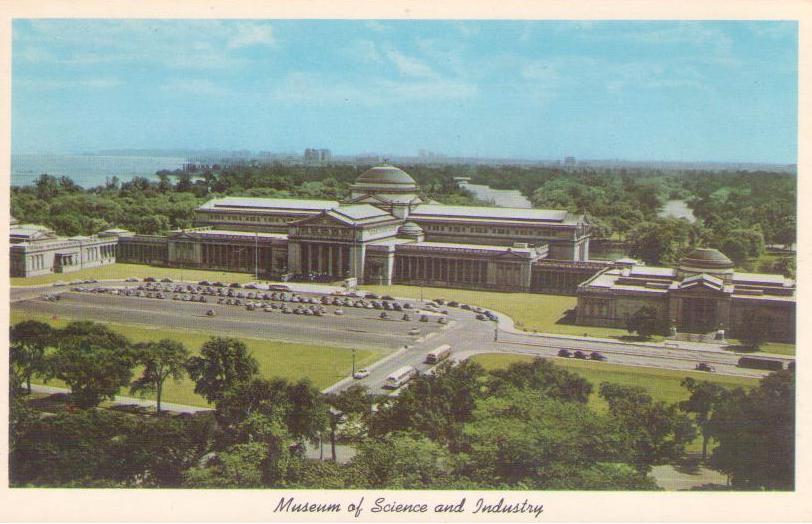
<point x="362" y="327"/>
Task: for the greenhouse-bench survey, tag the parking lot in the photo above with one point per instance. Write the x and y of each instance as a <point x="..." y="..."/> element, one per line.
<point x="352" y="320"/>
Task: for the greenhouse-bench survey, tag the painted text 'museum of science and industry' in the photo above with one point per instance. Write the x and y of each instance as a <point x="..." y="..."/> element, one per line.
<point x="385" y="233"/>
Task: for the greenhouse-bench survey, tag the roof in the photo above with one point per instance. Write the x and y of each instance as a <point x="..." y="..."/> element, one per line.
<point x="30" y="232"/>
<point x="360" y="211"/>
<point x="387" y="175"/>
<point x="704" y="257"/>
<point x="449" y="246"/>
<point x="268" y="204"/>
<point x="498" y="213"/>
<point x="651" y="271"/>
<point x="760" y="278"/>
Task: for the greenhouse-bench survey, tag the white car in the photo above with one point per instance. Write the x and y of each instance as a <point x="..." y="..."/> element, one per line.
<point x="361" y="373"/>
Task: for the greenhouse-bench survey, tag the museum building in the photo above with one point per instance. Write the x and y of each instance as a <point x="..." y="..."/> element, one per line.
<point x="702" y="294"/>
<point x="383" y="234"/>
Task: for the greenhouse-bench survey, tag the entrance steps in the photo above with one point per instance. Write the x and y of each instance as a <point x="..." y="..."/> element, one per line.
<point x="705" y="338"/>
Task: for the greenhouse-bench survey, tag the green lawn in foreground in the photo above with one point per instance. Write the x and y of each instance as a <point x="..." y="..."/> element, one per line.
<point x="121" y="271"/>
<point x="324" y="365"/>
<point x="530" y="311"/>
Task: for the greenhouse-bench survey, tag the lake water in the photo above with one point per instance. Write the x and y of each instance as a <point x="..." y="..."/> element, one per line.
<point x="87" y="170"/>
<point x="677" y="209"/>
<point x="499" y="197"/>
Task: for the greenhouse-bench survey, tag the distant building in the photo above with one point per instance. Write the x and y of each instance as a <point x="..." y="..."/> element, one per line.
<point x="570" y="161"/>
<point x="702" y="294"/>
<point x="383" y="233"/>
<point x="36" y="250"/>
<point x="317" y="156"/>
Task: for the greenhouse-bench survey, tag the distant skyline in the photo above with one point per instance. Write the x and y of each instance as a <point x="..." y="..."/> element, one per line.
<point x="639" y="91"/>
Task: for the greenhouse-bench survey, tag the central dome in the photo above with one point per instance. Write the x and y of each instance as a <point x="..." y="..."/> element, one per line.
<point x="385" y="175"/>
<point x="704" y="257"/>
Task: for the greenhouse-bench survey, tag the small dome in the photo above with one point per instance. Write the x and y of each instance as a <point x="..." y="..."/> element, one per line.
<point x="385" y="175"/>
<point x="410" y="230"/>
<point x="706" y="258"/>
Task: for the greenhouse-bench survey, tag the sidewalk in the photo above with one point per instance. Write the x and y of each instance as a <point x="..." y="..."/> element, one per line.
<point x="128" y="401"/>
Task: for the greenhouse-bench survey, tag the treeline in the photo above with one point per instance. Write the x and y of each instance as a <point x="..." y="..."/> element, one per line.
<point x="525" y="427"/>
<point x="740" y="212"/>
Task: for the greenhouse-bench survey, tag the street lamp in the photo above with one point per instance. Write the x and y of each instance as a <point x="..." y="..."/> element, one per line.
<point x="496" y="334"/>
<point x="353" y="362"/>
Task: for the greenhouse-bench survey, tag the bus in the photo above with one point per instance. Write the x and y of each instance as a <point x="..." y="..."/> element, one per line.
<point x="399" y="377"/>
<point x="438" y="354"/>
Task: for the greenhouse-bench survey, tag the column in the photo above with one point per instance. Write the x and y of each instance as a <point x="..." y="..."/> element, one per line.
<point x="340" y="261"/>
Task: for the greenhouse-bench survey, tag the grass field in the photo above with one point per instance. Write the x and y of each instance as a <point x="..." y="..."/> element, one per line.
<point x="121" y="271"/>
<point x="530" y="311"/>
<point x="323" y="365"/>
<point x="662" y="384"/>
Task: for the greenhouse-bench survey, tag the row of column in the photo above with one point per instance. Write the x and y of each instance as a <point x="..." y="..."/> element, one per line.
<point x="140" y="252"/>
<point x="237" y="257"/>
<point x="443" y="269"/>
<point x="329" y="259"/>
<point x="558" y="280"/>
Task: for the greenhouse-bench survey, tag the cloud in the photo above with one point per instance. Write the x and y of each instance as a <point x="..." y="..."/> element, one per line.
<point x="196" y="87"/>
<point x="54" y="84"/>
<point x="250" y="35"/>
<point x="319" y="90"/>
<point x="375" y="25"/>
<point x="409" y="66"/>
<point x="188" y="44"/>
<point x="364" y="51"/>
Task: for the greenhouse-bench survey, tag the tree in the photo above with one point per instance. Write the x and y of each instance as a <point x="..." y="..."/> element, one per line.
<point x="521" y="438"/>
<point x="161" y="360"/>
<point x="543" y="376"/>
<point x="398" y="461"/>
<point x="753" y="331"/>
<point x="655" y="242"/>
<point x="240" y="466"/>
<point x="755" y="431"/>
<point x="705" y="398"/>
<point x="659" y="431"/>
<point x="434" y="405"/>
<point x="27" y="351"/>
<point x="94" y="361"/>
<point x="645" y="322"/>
<point x="223" y="364"/>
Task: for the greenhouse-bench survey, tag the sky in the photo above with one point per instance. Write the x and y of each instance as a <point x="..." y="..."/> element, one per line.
<point x="661" y="90"/>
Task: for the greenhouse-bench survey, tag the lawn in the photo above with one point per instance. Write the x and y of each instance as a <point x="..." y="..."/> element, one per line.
<point x="122" y="271"/>
<point x="661" y="384"/>
<point x="323" y="365"/>
<point x="530" y="311"/>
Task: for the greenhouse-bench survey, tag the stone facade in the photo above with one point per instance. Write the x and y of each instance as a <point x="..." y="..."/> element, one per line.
<point x="703" y="294"/>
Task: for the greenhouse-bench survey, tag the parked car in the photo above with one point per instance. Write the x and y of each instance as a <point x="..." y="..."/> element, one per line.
<point x="131" y="279"/>
<point x="166" y="280"/>
<point x="598" y="356"/>
<point x="579" y="354"/>
<point x="424" y="318"/>
<point x="210" y="313"/>
<point x="480" y="316"/>
<point x="361" y="373"/>
<point x="149" y="279"/>
<point x="339" y="311"/>
<point x="235" y="284"/>
<point x="566" y="353"/>
<point x="704" y="366"/>
<point x="414" y="331"/>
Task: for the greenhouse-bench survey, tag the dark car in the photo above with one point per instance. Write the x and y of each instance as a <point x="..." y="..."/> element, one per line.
<point x="204" y="283"/>
<point x="564" y="353"/>
<point x="387" y="297"/>
<point x="704" y="366"/>
<point x="166" y="279"/>
<point x="149" y="279"/>
<point x="480" y="316"/>
<point x="579" y="354"/>
<point x="235" y="284"/>
<point x="453" y="303"/>
<point x="371" y="296"/>
<point x="598" y="356"/>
